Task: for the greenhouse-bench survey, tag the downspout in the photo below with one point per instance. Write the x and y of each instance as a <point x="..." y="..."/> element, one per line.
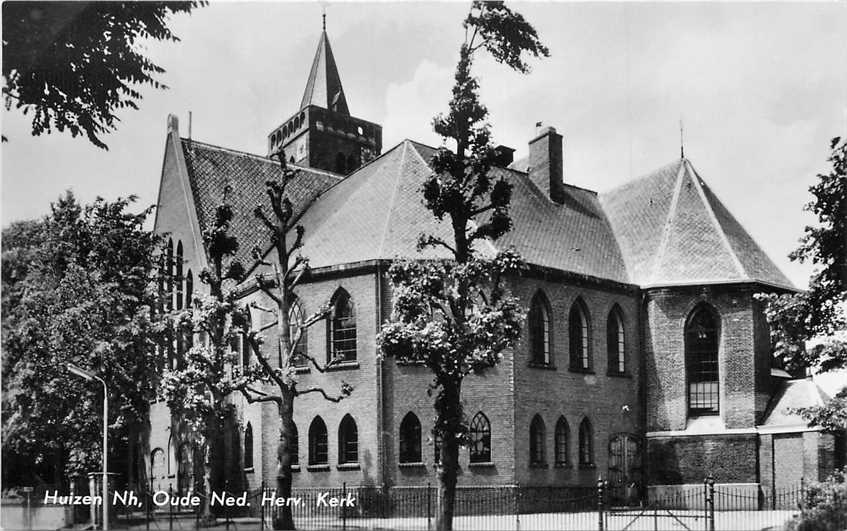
<point x="380" y="420"/>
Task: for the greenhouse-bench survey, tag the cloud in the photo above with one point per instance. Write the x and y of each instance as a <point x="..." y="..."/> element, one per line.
<point x="411" y="105"/>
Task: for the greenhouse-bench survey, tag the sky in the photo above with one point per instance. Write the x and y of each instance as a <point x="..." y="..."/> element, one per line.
<point x="759" y="88"/>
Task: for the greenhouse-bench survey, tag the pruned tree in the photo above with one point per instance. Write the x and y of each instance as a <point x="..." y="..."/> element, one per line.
<point x="455" y="315"/>
<point x="75" y="65"/>
<point x="198" y="387"/>
<point x="279" y="374"/>
<point x="809" y="329"/>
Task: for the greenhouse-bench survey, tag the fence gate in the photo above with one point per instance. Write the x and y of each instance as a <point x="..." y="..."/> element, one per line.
<point x="690" y="510"/>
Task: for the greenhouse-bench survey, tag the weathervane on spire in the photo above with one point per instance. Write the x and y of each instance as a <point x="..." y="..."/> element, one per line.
<point x="681" y="142"/>
<point x="323" y="16"/>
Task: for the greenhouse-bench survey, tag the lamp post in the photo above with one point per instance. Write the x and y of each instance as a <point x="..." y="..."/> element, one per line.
<point x="88" y="376"/>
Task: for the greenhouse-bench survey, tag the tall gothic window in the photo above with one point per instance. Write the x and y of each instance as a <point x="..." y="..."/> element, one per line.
<point x="189" y="288"/>
<point x="169" y="267"/>
<point x="248" y="446"/>
<point x="295" y="317"/>
<point x="537" y="439"/>
<point x="586" y="443"/>
<point x="348" y="441"/>
<point x="701" y="361"/>
<point x="615" y="344"/>
<point x="480" y="434"/>
<point x="295" y="446"/>
<point x="578" y="332"/>
<point x="342" y="328"/>
<point x="318" y="447"/>
<point x="178" y="279"/>
<point x="561" y="441"/>
<point x="437" y="442"/>
<point x="539" y="330"/>
<point x="410" y="439"/>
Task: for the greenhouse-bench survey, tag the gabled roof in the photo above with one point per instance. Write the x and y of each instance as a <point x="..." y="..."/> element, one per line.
<point x="212" y="168"/>
<point x="324" y="85"/>
<point x="673" y="230"/>
<point x="789" y="396"/>
<point x="377" y="213"/>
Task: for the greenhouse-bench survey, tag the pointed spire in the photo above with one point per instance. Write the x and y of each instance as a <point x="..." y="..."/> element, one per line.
<point x="324" y="85"/>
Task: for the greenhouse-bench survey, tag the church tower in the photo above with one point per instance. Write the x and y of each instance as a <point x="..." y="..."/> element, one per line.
<point x="323" y="134"/>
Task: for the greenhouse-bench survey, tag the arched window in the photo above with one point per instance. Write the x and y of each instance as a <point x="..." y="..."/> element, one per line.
<point x="248" y="446"/>
<point x="539" y="330"/>
<point x="586" y="443"/>
<point x="339" y="164"/>
<point x="169" y="267"/>
<point x="480" y="433"/>
<point x="410" y="439"/>
<point x="189" y="289"/>
<point x="701" y="361"/>
<point x="178" y="279"/>
<point x="352" y="163"/>
<point x="615" y="342"/>
<point x="348" y="441"/>
<point x="160" y="306"/>
<point x="318" y="454"/>
<point x="561" y="441"/>
<point x="295" y="445"/>
<point x="578" y="333"/>
<point x="537" y="439"/>
<point x="342" y="328"/>
<point x="436" y="448"/>
<point x="246" y="349"/>
<point x="295" y="317"/>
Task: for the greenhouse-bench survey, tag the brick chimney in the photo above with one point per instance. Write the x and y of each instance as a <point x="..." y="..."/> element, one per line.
<point x="545" y="162"/>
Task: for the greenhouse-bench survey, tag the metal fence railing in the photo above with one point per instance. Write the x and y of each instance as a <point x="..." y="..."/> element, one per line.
<point x="708" y="507"/>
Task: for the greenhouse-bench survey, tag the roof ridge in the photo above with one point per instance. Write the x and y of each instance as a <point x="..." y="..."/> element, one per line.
<point x="663" y="243"/>
<point x="390" y="206"/>
<point x="261" y="158"/>
<point x="714" y="219"/>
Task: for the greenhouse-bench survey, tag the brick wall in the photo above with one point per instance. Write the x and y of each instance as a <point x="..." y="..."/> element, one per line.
<point x="677" y="460"/>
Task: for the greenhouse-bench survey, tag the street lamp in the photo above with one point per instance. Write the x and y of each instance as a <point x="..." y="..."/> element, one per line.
<point x="88" y="376"/>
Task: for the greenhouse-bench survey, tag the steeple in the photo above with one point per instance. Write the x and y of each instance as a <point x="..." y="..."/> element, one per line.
<point x="324" y="85"/>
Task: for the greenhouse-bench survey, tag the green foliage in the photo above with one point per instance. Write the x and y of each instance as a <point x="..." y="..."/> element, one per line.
<point x="821" y="311"/>
<point x="74" y="65"/>
<point x="76" y="288"/>
<point x="825" y="506"/>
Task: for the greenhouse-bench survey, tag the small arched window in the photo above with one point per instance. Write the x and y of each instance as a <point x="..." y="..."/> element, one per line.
<point x="561" y="441"/>
<point x="295" y="318"/>
<point x="586" y="443"/>
<point x="410" y="439"/>
<point x="342" y="328"/>
<point x="162" y="273"/>
<point x="179" y="279"/>
<point x="615" y="342"/>
<point x="537" y="439"/>
<point x="480" y="437"/>
<point x="295" y="445"/>
<point x="348" y="441"/>
<point x="318" y="454"/>
<point x="539" y="330"/>
<point x="578" y="332"/>
<point x="352" y="163"/>
<point x="189" y="289"/>
<point x="340" y="166"/>
<point x="246" y="348"/>
<point x="437" y="441"/>
<point x="248" y="446"/>
<point x="701" y="361"/>
<point x="169" y="267"/>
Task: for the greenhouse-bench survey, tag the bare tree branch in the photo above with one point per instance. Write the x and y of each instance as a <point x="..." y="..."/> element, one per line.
<point x="335" y="399"/>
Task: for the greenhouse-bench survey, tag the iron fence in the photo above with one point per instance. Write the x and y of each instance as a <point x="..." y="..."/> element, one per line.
<point x="708" y="507"/>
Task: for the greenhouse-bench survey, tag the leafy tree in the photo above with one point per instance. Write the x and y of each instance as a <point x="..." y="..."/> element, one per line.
<point x="818" y="317"/>
<point x="289" y="270"/>
<point x="197" y="388"/>
<point x="455" y="315"/>
<point x="824" y="505"/>
<point x="74" y="65"/>
<point x="79" y="292"/>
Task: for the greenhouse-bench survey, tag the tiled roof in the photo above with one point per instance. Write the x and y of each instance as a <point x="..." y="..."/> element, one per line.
<point x="212" y="168"/>
<point x="790" y="395"/>
<point x="323" y="87"/>
<point x="377" y="213"/>
<point x="673" y="230"/>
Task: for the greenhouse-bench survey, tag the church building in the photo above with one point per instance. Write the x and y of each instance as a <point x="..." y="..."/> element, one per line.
<point x="645" y="358"/>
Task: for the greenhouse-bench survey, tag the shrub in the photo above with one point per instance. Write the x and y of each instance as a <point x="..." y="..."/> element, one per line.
<point x="825" y="506"/>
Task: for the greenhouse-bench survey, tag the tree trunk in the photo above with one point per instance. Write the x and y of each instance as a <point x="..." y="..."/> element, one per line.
<point x="284" y="519"/>
<point x="449" y="410"/>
